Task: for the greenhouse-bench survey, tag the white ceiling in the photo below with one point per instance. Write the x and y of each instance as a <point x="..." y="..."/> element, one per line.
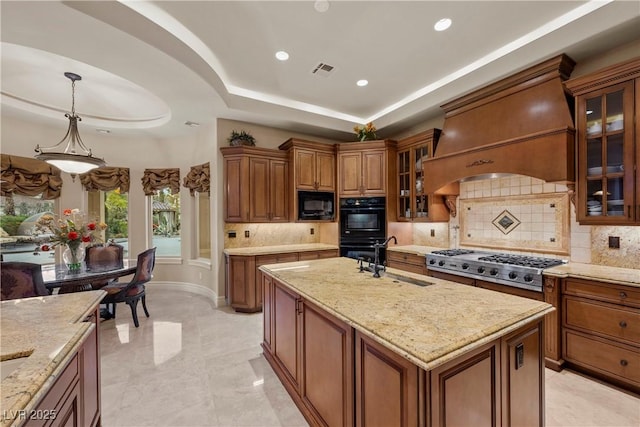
<point x="148" y="67"/>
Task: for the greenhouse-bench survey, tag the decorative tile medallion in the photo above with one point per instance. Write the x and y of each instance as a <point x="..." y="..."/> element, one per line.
<point x="506" y="222"/>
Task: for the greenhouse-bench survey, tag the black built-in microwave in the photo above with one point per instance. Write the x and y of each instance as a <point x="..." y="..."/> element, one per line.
<point x="316" y="205"/>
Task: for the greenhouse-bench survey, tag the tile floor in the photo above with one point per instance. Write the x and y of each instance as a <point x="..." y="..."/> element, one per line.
<point x="191" y="364"/>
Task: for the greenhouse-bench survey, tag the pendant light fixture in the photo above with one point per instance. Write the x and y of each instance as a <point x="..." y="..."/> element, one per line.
<point x="70" y="154"/>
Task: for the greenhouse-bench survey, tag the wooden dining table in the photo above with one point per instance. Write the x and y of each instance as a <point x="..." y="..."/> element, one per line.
<point x="58" y="276"/>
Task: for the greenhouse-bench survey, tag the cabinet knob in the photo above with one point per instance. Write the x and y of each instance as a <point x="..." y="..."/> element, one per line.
<point x="404" y="257"/>
<point x="623" y="295"/>
<point x="622" y="324"/>
<point x="623" y="362"/>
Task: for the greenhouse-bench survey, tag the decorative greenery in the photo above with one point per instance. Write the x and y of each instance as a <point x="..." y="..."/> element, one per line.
<point x="72" y="230"/>
<point x="241" y="138"/>
<point x="365" y="133"/>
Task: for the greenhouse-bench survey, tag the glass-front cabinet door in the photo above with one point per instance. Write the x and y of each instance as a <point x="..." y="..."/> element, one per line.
<point x="605" y="155"/>
<point x="413" y="203"/>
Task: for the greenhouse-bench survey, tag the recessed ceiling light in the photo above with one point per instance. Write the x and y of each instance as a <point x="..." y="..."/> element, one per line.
<point x="192" y="124"/>
<point x="103" y="131"/>
<point x="589" y="111"/>
<point x="362" y="82"/>
<point x="321" y="5"/>
<point x="442" y="24"/>
<point x="282" y="55"/>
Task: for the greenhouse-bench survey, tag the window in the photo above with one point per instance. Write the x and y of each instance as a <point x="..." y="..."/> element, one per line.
<point x="204" y="225"/>
<point x="166" y="222"/>
<point x="18" y="239"/>
<point x="112" y="207"/>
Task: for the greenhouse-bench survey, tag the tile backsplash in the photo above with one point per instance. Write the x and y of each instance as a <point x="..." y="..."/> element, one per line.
<point x="268" y="234"/>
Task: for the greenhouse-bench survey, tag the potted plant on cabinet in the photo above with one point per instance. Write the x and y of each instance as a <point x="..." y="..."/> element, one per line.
<point x="241" y="138"/>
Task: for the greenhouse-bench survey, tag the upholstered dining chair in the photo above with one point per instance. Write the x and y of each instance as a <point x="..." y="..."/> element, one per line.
<point x="104" y="256"/>
<point x="134" y="291"/>
<point x="21" y="280"/>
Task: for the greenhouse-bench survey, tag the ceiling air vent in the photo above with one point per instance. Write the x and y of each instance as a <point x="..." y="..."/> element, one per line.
<point x="322" y="69"/>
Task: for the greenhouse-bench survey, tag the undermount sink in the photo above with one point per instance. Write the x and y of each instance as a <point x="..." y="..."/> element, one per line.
<point x="404" y="279"/>
<point x="8" y="366"/>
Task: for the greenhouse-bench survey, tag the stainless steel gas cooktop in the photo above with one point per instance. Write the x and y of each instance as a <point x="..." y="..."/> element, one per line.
<point x="521" y="271"/>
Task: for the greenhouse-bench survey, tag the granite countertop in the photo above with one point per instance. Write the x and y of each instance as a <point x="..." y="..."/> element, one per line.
<point x="413" y="249"/>
<point x="49" y="330"/>
<point x="603" y="273"/>
<point x="278" y="249"/>
<point x="426" y="325"/>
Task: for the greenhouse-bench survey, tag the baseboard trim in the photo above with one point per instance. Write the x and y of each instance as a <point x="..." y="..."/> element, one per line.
<point x="218" y="301"/>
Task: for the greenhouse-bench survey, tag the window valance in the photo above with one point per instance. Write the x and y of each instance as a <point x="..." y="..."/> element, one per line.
<point x="158" y="179"/>
<point x="106" y="178"/>
<point x="198" y="179"/>
<point x="29" y="177"/>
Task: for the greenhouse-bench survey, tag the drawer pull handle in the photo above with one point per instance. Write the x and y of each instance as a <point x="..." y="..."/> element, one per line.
<point x="623" y="295"/>
<point x="624" y="362"/>
<point x="623" y="324"/>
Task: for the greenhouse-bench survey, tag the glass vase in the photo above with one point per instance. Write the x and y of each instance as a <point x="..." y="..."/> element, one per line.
<point x="73" y="257"/>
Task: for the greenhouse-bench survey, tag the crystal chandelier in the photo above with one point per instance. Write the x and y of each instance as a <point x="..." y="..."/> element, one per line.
<point x="70" y="154"/>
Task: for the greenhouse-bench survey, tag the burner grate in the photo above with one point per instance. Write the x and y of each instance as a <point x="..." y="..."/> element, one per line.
<point x="453" y="252"/>
<point x="522" y="260"/>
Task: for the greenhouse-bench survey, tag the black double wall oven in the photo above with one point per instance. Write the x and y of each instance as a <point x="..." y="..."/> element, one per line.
<point x="362" y="224"/>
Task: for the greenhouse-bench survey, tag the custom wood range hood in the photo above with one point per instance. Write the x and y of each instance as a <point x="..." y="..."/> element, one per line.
<point x="519" y="125"/>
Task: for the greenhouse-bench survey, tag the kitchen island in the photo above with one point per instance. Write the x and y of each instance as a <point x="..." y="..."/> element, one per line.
<point x="50" y="360"/>
<point x="403" y="349"/>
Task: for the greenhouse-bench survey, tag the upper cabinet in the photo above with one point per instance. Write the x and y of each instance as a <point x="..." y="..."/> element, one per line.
<point x="366" y="168"/>
<point x="313" y="165"/>
<point x="256" y="182"/>
<point x="414" y="204"/>
<point x="607" y="105"/>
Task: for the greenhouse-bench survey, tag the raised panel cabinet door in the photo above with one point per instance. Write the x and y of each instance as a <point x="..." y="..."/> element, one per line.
<point x="236" y="194"/>
<point x="241" y="278"/>
<point x="327" y="380"/>
<point x="523" y="378"/>
<point x="350" y="174"/>
<point x="326" y="171"/>
<point x="305" y="173"/>
<point x="374" y="172"/>
<point x="286" y="332"/>
<point x="259" y="181"/>
<point x="386" y="386"/>
<point x="279" y="191"/>
<point x="466" y="391"/>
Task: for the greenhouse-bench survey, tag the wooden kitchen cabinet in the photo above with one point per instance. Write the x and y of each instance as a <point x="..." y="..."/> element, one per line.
<point x="243" y="284"/>
<point x="310" y="255"/>
<point x="366" y="168"/>
<point x="313" y="165"/>
<point x="413" y="203"/>
<point x="256" y="182"/>
<point x="601" y="330"/>
<point x="286" y="325"/>
<point x="608" y="126"/>
<point x="408" y="262"/>
<point x="386" y="386"/>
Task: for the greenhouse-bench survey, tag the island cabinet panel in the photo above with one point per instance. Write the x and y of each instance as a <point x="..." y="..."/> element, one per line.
<point x="89" y="360"/>
<point x="386" y="386"/>
<point x="265" y="260"/>
<point x="327" y="351"/>
<point x="466" y="390"/>
<point x="287" y="323"/>
<point x="408" y="262"/>
<point x="522" y="378"/>
<point x="267" y="301"/>
<point x="601" y="330"/>
<point x="61" y="405"/>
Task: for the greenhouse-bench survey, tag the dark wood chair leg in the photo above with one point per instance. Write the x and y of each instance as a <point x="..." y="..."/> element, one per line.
<point x="134" y="304"/>
<point x="113" y="304"/>
<point x="144" y="305"/>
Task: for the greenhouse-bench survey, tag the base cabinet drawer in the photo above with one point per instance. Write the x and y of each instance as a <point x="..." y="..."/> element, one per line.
<point x="603" y="319"/>
<point x="600" y="356"/>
